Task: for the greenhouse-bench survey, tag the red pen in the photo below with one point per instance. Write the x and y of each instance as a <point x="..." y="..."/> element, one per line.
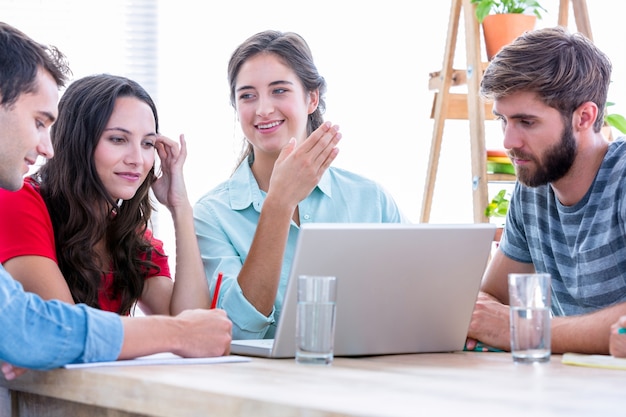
<point x="217" y="290"/>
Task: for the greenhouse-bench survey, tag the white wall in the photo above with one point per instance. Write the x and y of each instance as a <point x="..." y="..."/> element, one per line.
<point x="376" y="59"/>
<point x="375" y="56"/>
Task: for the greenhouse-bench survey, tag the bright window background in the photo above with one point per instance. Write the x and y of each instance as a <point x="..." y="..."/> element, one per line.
<point x="375" y="56"/>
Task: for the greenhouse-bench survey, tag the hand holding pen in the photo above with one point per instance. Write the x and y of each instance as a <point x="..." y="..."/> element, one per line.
<point x="617" y="339"/>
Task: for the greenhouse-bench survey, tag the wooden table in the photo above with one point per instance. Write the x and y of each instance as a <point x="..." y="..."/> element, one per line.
<point x="447" y="384"/>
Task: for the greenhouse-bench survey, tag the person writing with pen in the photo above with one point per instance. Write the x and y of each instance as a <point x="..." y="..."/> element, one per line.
<point x="40" y="334"/>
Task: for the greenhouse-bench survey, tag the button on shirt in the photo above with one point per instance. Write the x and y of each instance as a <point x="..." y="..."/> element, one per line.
<point x="40" y="334"/>
<point x="226" y="220"/>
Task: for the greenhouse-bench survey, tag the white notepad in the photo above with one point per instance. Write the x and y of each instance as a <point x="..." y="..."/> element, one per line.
<point x="160" y="359"/>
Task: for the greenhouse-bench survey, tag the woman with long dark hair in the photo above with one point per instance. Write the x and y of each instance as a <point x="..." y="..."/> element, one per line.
<point x="79" y="229"/>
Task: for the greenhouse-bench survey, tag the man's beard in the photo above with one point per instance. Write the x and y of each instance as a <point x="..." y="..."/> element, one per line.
<point x="557" y="161"/>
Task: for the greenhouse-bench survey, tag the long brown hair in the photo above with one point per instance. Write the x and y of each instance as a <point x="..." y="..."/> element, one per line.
<point x="82" y="211"/>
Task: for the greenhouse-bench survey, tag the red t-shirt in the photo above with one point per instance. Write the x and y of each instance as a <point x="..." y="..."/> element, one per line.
<point x="26" y="229"/>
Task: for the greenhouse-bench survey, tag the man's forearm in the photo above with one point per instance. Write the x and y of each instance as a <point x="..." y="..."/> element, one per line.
<point x="588" y="333"/>
<point x="148" y="335"/>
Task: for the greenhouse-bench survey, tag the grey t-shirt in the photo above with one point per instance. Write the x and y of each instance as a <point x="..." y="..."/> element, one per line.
<point x="583" y="246"/>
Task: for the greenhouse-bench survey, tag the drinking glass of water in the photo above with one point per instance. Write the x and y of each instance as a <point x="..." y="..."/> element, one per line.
<point x="315" y="319"/>
<point x="529" y="300"/>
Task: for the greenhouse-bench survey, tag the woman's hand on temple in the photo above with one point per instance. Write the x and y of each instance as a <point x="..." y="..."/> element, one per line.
<point x="170" y="187"/>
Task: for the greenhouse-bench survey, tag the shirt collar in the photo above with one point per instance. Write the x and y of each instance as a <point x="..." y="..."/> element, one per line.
<point x="243" y="190"/>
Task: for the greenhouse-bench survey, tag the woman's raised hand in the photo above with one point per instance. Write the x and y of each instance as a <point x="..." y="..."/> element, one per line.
<point x="300" y="167"/>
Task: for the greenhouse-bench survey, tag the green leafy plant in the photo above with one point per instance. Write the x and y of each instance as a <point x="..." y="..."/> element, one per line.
<point x="487" y="7"/>
<point x="615" y="120"/>
<point x="498" y="206"/>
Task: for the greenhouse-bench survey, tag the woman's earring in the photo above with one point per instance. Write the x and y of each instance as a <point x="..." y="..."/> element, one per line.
<point x="115" y="209"/>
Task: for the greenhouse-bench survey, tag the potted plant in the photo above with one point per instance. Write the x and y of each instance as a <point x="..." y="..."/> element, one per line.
<point x="614" y="120"/>
<point x="505" y="20"/>
<point x="498" y="207"/>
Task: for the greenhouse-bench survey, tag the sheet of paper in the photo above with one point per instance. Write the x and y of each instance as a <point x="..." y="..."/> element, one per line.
<point x="161" y="359"/>
<point x="594" y="361"/>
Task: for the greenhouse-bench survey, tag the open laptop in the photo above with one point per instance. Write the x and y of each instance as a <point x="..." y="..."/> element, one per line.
<point x="401" y="288"/>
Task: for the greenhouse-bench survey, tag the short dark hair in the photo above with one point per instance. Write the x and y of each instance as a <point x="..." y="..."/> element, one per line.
<point x="564" y="69"/>
<point x="20" y="59"/>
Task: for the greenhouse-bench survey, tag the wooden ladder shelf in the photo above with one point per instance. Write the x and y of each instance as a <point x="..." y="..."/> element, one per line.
<point x="469" y="105"/>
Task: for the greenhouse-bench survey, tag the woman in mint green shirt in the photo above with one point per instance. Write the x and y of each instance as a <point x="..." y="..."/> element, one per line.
<point x="248" y="225"/>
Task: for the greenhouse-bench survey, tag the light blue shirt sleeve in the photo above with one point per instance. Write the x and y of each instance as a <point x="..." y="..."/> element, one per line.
<point x="40" y="334"/>
<point x="226" y="220"/>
